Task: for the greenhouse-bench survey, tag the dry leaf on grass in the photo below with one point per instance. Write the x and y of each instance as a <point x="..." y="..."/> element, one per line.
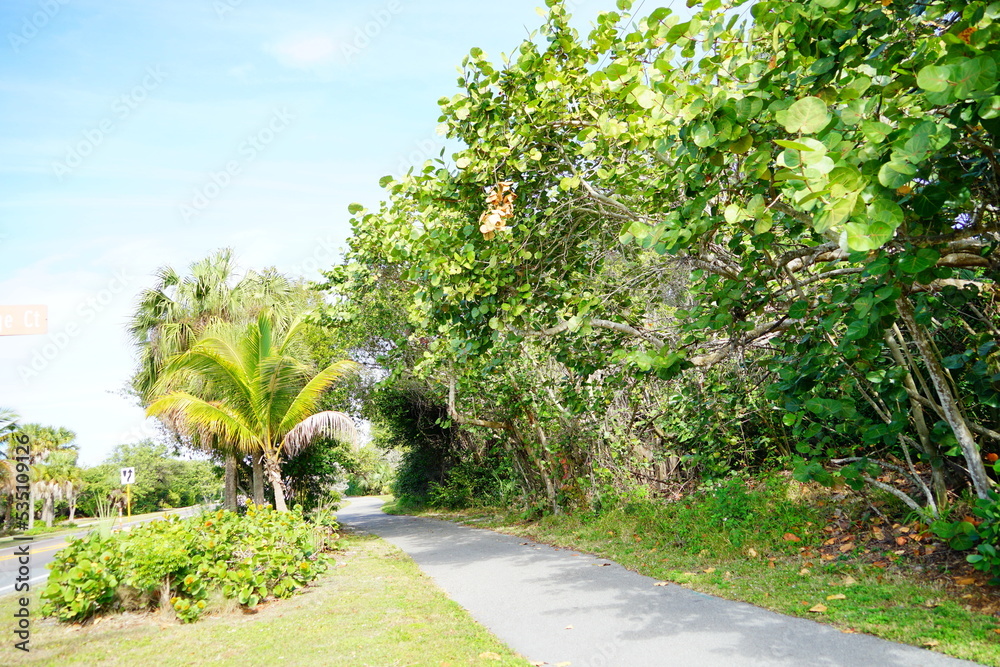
<point x="818" y="609"/>
<point x="490" y="655"/>
<point x="838" y="596"/>
<point x="663" y="583"/>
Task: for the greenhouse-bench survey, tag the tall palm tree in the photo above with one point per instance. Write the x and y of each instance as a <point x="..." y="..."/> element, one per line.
<point x="172" y="315"/>
<point x="257" y="391"/>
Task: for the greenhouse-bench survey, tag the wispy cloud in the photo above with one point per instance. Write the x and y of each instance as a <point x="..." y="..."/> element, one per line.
<point x="304" y="50"/>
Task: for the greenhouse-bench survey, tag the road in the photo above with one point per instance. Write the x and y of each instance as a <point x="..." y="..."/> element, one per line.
<point x="42" y="550"/>
<point x="561" y="606"/>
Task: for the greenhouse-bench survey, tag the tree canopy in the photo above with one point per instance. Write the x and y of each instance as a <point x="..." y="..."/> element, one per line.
<point x="796" y="200"/>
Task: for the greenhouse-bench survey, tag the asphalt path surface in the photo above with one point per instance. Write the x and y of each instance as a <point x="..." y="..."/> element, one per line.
<point x="557" y="605"/>
<point x="42" y="549"/>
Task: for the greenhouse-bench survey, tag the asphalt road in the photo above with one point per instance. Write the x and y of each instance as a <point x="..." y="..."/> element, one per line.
<point x="42" y="550"/>
<point x="557" y="605"/>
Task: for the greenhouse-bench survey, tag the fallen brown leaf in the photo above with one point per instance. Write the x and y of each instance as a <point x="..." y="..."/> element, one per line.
<point x="836" y="596"/>
<point x="818" y="609"/>
<point x="663" y="583"/>
<point x="791" y="537"/>
<point x="490" y="655"/>
<point x="846" y="547"/>
<point x="932" y="642"/>
<point x="964" y="581"/>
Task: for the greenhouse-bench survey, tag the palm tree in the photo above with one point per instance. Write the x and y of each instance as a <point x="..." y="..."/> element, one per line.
<point x="175" y="312"/>
<point x="256" y="391"/>
<point x="8" y="467"/>
<point x="57" y="478"/>
<point x="44" y="441"/>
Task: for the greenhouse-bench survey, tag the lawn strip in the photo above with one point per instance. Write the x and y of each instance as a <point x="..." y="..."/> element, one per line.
<point x="374" y="607"/>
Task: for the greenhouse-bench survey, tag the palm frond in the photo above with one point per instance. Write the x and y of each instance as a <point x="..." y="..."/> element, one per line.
<point x="329" y="424"/>
<point x="215" y="418"/>
<point x="305" y="402"/>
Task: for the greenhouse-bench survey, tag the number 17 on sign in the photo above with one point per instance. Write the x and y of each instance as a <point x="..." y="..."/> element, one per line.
<point x="128" y="479"/>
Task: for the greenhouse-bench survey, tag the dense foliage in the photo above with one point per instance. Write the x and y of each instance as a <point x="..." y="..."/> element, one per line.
<point x="162" y="481"/>
<point x="181" y="561"/>
<point x="751" y="235"/>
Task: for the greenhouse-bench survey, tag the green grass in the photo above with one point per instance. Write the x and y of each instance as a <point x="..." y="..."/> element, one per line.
<point x="374" y="607"/>
<point x="731" y="543"/>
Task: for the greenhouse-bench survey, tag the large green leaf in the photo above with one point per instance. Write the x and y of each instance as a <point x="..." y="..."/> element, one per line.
<point x="806" y="116"/>
<point x="934" y="78"/>
<point x="867" y="236"/>
<point x="916" y="261"/>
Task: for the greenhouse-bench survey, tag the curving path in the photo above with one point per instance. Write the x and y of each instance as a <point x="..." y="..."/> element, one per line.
<point x="560" y="606"/>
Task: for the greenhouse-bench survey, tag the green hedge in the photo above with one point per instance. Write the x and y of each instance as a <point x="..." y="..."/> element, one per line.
<point x="249" y="558"/>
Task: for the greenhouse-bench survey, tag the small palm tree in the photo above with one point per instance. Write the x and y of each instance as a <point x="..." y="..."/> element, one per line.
<point x="45" y="440"/>
<point x="256" y="391"/>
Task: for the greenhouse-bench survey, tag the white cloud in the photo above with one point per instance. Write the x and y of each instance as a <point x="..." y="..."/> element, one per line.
<point x="304" y="51"/>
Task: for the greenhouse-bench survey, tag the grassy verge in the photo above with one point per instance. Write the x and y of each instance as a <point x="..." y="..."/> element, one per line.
<point x="810" y="559"/>
<point x="374" y="607"/>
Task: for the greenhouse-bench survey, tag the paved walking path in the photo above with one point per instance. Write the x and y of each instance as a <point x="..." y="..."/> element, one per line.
<point x="557" y="605"/>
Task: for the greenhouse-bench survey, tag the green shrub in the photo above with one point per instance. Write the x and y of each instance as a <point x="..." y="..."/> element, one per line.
<point x="250" y="557"/>
<point x="963" y="535"/>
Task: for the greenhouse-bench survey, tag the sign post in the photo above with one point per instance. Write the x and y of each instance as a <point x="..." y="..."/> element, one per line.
<point x="128" y="478"/>
<point x="24" y="320"/>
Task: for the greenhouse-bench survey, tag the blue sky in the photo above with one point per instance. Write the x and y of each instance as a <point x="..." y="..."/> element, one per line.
<point x="137" y="134"/>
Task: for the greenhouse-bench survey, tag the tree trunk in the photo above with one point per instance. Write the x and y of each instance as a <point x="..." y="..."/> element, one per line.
<point x="274" y="474"/>
<point x="948" y="401"/>
<point x="258" y="478"/>
<point x="929" y="447"/>
<point x="48" y="509"/>
<point x="229" y="495"/>
<point x="72" y="505"/>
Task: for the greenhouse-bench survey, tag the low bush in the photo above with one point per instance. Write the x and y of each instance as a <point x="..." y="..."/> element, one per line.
<point x="981" y="533"/>
<point x="181" y="561"/>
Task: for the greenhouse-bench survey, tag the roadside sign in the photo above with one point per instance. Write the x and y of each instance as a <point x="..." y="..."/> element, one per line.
<point x="24" y="320"/>
<point x="128" y="476"/>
